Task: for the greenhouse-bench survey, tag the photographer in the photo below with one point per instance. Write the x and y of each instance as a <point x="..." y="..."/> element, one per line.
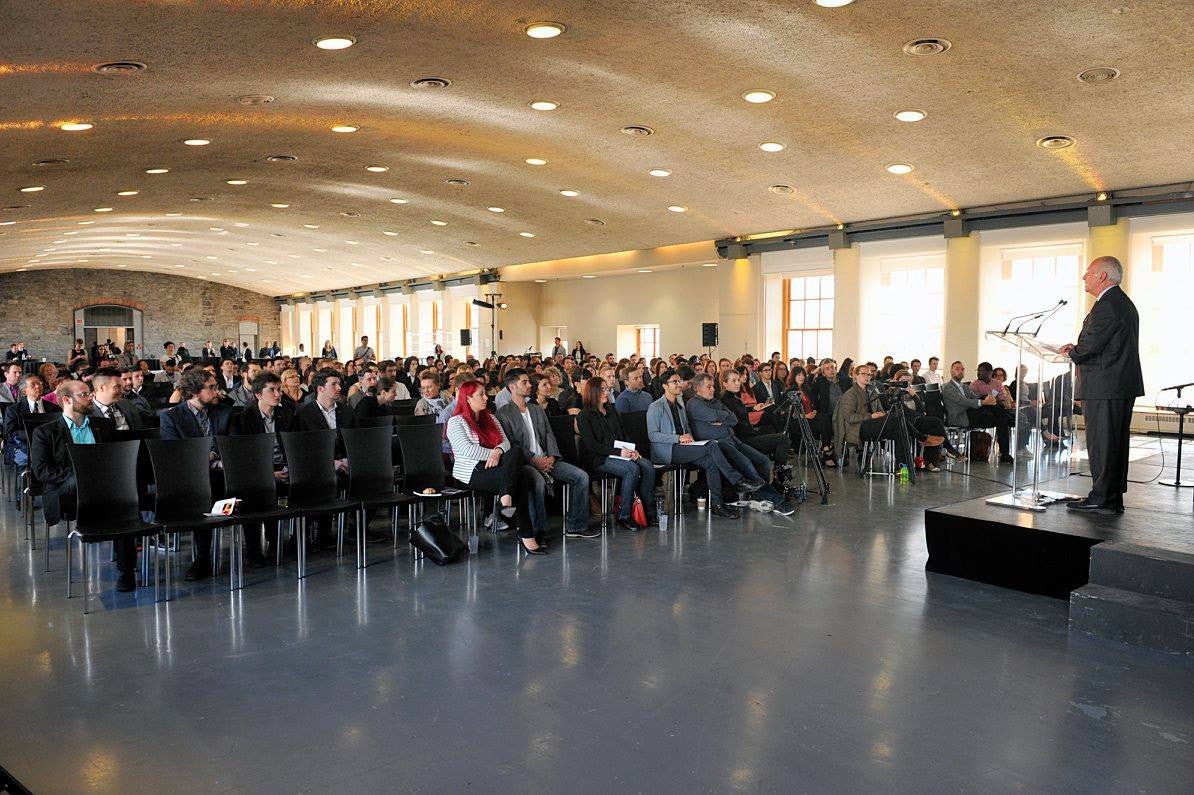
<point x="925" y="426"/>
<point x="860" y="416"/>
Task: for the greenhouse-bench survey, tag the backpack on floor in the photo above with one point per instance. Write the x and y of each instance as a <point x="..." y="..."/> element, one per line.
<point x="980" y="446"/>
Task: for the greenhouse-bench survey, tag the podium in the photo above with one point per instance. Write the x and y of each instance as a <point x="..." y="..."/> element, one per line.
<point x="1061" y="406"/>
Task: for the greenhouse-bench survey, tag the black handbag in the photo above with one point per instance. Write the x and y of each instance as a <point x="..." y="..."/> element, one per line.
<point x="433" y="538"/>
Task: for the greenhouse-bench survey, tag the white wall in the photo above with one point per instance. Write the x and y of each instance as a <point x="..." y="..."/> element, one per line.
<point x="888" y="329"/>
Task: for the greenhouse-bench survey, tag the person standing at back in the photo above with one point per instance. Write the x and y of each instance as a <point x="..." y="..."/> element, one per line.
<point x="1109" y="381"/>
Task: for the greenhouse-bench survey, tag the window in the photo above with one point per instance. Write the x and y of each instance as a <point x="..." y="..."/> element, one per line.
<point x="1162" y="292"/>
<point x="647" y="342"/>
<point x="911" y="307"/>
<point x="808" y="316"/>
<point x="1030" y="280"/>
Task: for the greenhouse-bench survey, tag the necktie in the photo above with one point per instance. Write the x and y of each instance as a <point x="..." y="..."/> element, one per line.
<point x="118" y="417"/>
<point x="204" y="423"/>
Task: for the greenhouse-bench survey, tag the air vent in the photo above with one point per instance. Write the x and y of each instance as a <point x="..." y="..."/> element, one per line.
<point x="255" y="99"/>
<point x="1098" y="75"/>
<point x="595" y="221"/>
<point x="281" y="158"/>
<point x="927" y="46"/>
<point x="1055" y="142"/>
<point x="471" y="243"/>
<point x="52" y="161"/>
<point x="458" y="183"/>
<point x="430" y="82"/>
<point x="638" y="131"/>
<point x="199" y="199"/>
<point x="119" y="68"/>
<point x="782" y="189"/>
<point x="350" y="215"/>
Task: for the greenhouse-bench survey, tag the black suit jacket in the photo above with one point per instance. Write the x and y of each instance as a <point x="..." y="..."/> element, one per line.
<point x="49" y="458"/>
<point x="128" y="409"/>
<point x="249" y="421"/>
<point x="180" y="423"/>
<point x="1108" y="350"/>
<point x="309" y="417"/>
<point x="14" y="418"/>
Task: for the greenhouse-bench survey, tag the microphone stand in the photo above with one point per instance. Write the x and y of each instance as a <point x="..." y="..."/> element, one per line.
<point x="1181" y="428"/>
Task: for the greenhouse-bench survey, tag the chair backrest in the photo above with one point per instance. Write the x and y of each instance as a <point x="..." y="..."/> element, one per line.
<point x="249" y="470"/>
<point x="182" y="477"/>
<point x="380" y="421"/>
<point x="635" y="425"/>
<point x="413" y="419"/>
<point x="106" y="483"/>
<point x="370" y="462"/>
<point x="563" y="428"/>
<point x="422" y="456"/>
<point x="32" y="421"/>
<point x="310" y="459"/>
<point x="402" y="410"/>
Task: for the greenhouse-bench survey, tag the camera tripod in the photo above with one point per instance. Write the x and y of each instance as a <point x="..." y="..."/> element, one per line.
<point x="896" y="411"/>
<point x="809" y="441"/>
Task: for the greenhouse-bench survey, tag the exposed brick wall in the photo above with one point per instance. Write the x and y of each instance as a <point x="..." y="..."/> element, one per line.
<point x="38" y="307"/>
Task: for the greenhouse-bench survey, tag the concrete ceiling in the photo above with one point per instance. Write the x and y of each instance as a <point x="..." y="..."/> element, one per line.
<point x="678" y="67"/>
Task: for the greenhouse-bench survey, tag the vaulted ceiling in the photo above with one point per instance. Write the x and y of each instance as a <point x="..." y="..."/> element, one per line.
<point x="247" y="76"/>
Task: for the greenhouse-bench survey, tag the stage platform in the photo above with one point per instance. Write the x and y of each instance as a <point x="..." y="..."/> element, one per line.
<point x="1128" y="577"/>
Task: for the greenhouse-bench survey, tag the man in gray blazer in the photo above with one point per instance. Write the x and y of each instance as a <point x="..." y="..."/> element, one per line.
<point x="10" y="389"/>
<point x="710" y="419"/>
<point x="526" y="426"/>
<point x="242" y="395"/>
<point x="964" y="409"/>
<point x="672" y="443"/>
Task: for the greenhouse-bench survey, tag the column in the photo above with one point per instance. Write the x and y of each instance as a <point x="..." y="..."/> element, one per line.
<point x="960" y="332"/>
<point x="847" y="304"/>
<point x="1107" y="241"/>
<point x="739" y="314"/>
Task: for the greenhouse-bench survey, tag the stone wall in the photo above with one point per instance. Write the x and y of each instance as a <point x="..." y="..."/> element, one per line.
<point x="38" y="307"/>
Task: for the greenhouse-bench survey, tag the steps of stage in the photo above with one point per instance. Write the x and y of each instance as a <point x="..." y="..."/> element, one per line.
<point x="1138" y="595"/>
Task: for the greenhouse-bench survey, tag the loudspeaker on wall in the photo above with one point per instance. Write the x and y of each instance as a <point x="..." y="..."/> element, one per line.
<point x="709" y="335"/>
<point x="466" y="336"/>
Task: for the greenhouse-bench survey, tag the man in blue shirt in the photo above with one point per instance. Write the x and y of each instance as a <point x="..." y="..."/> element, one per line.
<point x="633" y="398"/>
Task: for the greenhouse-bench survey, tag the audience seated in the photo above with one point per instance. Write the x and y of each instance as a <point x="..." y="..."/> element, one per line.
<point x="541" y="388"/>
<point x="605" y="449"/>
<point x="16" y="449"/>
<point x="928" y="428"/>
<point x="817" y="402"/>
<point x="10" y="390"/>
<point x="633" y="398"/>
<point x="965" y="409"/>
<point x="107" y="400"/>
<point x="265" y="414"/>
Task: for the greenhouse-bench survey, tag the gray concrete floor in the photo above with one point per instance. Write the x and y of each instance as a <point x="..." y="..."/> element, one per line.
<point x="803" y="654"/>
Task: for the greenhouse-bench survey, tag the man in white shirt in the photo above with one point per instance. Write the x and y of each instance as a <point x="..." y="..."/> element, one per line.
<point x="932" y="375"/>
<point x="364" y="354"/>
<point x="108" y="400"/>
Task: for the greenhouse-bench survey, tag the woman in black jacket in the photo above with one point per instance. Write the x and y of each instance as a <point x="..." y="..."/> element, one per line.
<point x="541" y="387"/>
<point x="817" y="403"/>
<point x="768" y="389"/>
<point x="599" y="427"/>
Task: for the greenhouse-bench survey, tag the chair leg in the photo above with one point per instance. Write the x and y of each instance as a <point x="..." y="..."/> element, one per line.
<point x="83" y="553"/>
<point x="69" y="561"/>
<point x="361" y="559"/>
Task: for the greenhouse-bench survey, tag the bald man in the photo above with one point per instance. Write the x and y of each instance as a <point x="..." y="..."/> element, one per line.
<point x="1109" y="381"/>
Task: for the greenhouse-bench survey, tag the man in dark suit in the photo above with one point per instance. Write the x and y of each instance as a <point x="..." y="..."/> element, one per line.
<point x="264" y="415"/>
<point x="210" y="353"/>
<point x="16" y="449"/>
<point x="200" y="414"/>
<point x="228" y="350"/>
<point x="51" y="466"/>
<point x="1109" y="381"/>
<point x="132" y="382"/>
<point x="326" y="410"/>
<point x="107" y="400"/>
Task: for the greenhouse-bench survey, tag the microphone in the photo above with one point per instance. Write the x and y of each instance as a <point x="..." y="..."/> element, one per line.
<point x="1177" y="388"/>
<point x="1040" y="314"/>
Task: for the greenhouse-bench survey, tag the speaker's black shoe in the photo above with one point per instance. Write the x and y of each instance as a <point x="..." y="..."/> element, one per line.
<point x="199" y="570"/>
<point x="724" y="511"/>
<point x="1086" y="507"/>
<point x="127" y="581"/>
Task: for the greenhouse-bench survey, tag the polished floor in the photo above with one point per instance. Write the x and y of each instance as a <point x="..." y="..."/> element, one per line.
<point x="802" y="654"/>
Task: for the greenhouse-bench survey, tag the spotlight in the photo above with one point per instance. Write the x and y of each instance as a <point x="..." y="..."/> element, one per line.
<point x="482" y="304"/>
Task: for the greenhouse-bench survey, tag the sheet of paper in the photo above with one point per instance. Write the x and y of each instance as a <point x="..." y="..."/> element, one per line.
<point x="623" y="445"/>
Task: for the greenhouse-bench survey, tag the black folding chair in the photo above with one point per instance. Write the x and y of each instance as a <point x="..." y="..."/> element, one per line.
<point x="182" y="498"/>
<point x="562" y="427"/>
<point x="371" y="479"/>
<point x="30" y="489"/>
<point x="635" y="424"/>
<point x="314" y="489"/>
<point x="249" y="477"/>
<point x="107" y="507"/>
<point x="423" y="468"/>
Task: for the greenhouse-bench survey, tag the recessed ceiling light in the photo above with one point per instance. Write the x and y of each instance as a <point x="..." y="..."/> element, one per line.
<point x="594" y="222"/>
<point x="544" y="104"/>
<point x="708" y="264"/>
<point x="86" y="223"/>
<point x="1098" y="75"/>
<point x="833" y="3"/>
<point x="103" y="209"/>
<point x="353" y="242"/>
<point x="544" y="30"/>
<point x="758" y="96"/>
<point x="335" y="43"/>
<point x="377" y="169"/>
<point x="677" y="208"/>
<point x="310" y="226"/>
<point x="437" y="222"/>
<point x="526" y="234"/>
<point x="772" y="146"/>
<point x="349" y="214"/>
<point x="910" y="115"/>
<point x="240" y="224"/>
<point x="659" y="172"/>
<point x="782" y="189"/>
<point x="345" y="128"/>
<point x="569" y="193"/>
<point x="157" y="171"/>
<point x="899" y="168"/>
<point x="33" y="188"/>
<point x="250" y="270"/>
<point x="398" y="201"/>
<point x="1055" y="142"/>
<point x="10" y="223"/>
<point x="236" y="181"/>
<point x="645" y="270"/>
<point x="215" y="229"/>
<point x="75" y="126"/>
<point x="536" y="161"/>
<point x="279" y="205"/>
<point x="173" y="215"/>
<point x="127" y="192"/>
<point x="496" y="209"/>
<point x="281" y="158"/>
<point x="426" y="251"/>
<point x="926" y="46"/>
<point x="637" y="131"/>
<point x="540" y="281"/>
<point x="196" y="141"/>
<point x="456" y="182"/>
<point x="389" y="233"/>
<point x="588" y="276"/>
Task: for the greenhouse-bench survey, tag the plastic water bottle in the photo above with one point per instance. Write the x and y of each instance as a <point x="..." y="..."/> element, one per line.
<point x="904" y="474"/>
<point x="660" y="514"/>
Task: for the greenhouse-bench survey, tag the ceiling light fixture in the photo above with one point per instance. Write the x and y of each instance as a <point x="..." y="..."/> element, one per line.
<point x="833" y="3"/>
<point x="926" y="46"/>
<point x="1099" y="75"/>
<point x="708" y="264"/>
<point x="659" y="172"/>
<point x="353" y="242"/>
<point x="344" y="128"/>
<point x="544" y="30"/>
<point x="33" y="189"/>
<point x="310" y="226"/>
<point x="569" y="193"/>
<point x="496" y="209"/>
<point x="955" y="213"/>
<point x="536" y="161"/>
<point x="377" y="169"/>
<point x="1101" y="196"/>
<point x="157" y="171"/>
<point x="335" y="43"/>
<point x="103" y="209"/>
<point x="526" y="234"/>
<point x="389" y="233"/>
<point x="772" y="146"/>
<point x="1055" y="142"/>
<point x="437" y="222"/>
<point x="637" y="131"/>
<point x="75" y="126"/>
<point x="910" y="115"/>
<point x="279" y="205"/>
<point x="544" y="104"/>
<point x="758" y="96"/>
<point x="677" y="208"/>
<point x="399" y="201"/>
<point x="236" y="181"/>
<point x="127" y="192"/>
<point x="456" y="182"/>
<point x="588" y="276"/>
<point x="196" y="141"/>
<point x="540" y="281"/>
<point x="426" y="251"/>
<point x="899" y="168"/>
<point x="645" y="270"/>
<point x="594" y="222"/>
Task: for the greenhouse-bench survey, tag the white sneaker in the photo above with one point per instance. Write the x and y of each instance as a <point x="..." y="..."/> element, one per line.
<point x="761" y="506"/>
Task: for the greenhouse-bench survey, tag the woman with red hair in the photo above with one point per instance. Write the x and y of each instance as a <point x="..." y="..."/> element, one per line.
<point x="486" y="461"/>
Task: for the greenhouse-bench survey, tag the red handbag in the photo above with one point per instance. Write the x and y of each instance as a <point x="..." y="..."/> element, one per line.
<point x="637" y="512"/>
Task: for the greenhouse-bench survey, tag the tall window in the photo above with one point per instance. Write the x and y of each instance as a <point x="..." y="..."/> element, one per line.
<point x="910" y="308"/>
<point x="647" y="343"/>
<point x="1162" y="292"/>
<point x="808" y="316"/>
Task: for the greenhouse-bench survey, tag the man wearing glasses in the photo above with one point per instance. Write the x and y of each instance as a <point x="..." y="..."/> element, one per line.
<point x="200" y="414"/>
<point x="52" y="468"/>
<point x="672" y="443"/>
